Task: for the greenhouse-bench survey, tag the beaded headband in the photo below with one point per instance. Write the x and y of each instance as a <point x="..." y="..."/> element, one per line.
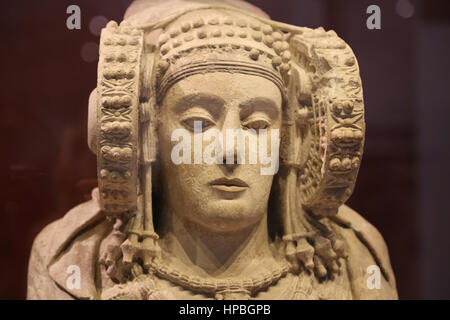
<point x="192" y="45"/>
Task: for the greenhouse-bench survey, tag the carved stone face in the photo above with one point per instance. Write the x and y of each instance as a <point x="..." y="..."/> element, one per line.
<point x="220" y="197"/>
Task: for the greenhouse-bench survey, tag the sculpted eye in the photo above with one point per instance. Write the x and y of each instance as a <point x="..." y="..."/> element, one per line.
<point x="204" y="122"/>
<point x="197" y="116"/>
<point x="256" y="124"/>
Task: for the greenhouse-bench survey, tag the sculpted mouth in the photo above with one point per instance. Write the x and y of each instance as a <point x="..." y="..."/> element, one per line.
<point x="229" y="185"/>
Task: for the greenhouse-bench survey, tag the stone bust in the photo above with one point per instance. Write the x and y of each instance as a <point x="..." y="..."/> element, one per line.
<point x="169" y="222"/>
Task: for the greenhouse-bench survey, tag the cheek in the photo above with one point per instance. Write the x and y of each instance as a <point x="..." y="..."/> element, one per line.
<point x="183" y="179"/>
<point x="185" y="182"/>
<point x="260" y="185"/>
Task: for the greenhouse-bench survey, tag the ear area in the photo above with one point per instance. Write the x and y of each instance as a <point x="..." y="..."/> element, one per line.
<point x="147" y="107"/>
<point x="334" y="115"/>
<point x="118" y="97"/>
<point x="295" y="130"/>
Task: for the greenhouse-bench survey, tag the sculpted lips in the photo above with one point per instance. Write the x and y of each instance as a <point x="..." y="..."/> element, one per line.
<point x="229" y="185"/>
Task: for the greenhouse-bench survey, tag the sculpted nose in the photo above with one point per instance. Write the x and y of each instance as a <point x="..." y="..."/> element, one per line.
<point x="231" y="152"/>
<point x="230" y="155"/>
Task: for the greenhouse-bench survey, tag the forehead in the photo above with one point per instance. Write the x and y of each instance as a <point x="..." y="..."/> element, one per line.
<point x="227" y="86"/>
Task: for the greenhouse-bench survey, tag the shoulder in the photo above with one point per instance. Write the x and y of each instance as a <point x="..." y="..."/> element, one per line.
<point x="42" y="243"/>
<point x="365" y="244"/>
<point x="52" y="242"/>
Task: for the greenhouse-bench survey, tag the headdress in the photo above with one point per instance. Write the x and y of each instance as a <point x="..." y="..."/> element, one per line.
<point x="323" y="116"/>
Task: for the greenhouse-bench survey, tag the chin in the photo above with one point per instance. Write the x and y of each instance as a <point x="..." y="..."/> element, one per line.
<point x="227" y="215"/>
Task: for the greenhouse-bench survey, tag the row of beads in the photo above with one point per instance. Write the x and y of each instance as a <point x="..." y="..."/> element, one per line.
<point x="118" y="73"/>
<point x="271" y="38"/>
<point x="124" y="28"/>
<point x="186" y="26"/>
<point x="345" y="164"/>
<point x="114" y="175"/>
<point x="203" y="34"/>
<point x="338" y="107"/>
<point x="128" y="34"/>
<point x="196" y="283"/>
<point x="117" y="153"/>
<point x="116" y="102"/>
<point x="114" y="194"/>
<point x="346" y="135"/>
<point x="121" y="41"/>
<point x="121" y="57"/>
<point x="117" y="128"/>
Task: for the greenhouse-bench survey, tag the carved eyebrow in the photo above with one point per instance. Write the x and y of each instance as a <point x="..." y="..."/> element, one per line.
<point x="260" y="104"/>
<point x="212" y="103"/>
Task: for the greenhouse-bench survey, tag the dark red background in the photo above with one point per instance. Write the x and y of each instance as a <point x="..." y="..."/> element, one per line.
<point x="403" y="187"/>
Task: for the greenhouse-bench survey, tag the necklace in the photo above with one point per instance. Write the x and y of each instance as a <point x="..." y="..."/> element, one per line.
<point x="222" y="289"/>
